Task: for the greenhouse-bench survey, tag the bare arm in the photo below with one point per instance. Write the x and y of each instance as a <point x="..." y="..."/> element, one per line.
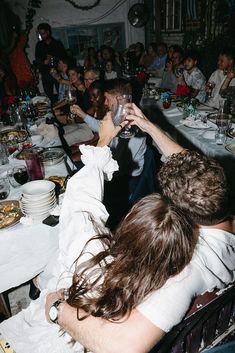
<point x="228" y="79"/>
<point x="134" y="335"/>
<point x="167" y="145"/>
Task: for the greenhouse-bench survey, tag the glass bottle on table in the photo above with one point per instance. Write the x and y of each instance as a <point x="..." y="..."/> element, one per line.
<point x="34" y="164"/>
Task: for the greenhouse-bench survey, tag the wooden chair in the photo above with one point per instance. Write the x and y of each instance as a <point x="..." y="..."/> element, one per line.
<point x="210" y="319"/>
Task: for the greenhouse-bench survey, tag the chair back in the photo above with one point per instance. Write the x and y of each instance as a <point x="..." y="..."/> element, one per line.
<point x="210" y="315"/>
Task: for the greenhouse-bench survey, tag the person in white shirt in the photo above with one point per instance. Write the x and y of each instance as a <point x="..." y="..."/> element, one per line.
<point x="109" y="73"/>
<point x="128" y="290"/>
<point x="193" y="77"/>
<point x="222" y="78"/>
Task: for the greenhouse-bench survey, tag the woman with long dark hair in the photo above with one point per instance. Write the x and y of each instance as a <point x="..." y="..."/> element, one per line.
<point x="114" y="272"/>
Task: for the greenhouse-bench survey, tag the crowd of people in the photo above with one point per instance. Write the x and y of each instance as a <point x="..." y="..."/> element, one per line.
<point x="120" y="283"/>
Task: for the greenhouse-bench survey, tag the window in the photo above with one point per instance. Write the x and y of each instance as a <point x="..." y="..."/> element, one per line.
<point x="171" y="15"/>
<point x="79" y="38"/>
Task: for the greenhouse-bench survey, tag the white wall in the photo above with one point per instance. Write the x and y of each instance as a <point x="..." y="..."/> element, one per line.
<point x="59" y="13"/>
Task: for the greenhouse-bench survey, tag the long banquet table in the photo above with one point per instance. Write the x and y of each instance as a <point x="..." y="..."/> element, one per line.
<point x="170" y="120"/>
<point x="26" y="249"/>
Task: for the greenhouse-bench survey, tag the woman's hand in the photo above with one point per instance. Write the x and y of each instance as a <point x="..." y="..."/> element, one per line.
<point x="75" y="109"/>
<point x="108" y="130"/>
<point x="51" y="299"/>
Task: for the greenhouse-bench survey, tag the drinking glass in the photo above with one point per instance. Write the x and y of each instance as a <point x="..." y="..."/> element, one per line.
<point x="223" y="121"/>
<point x="166" y="102"/>
<point x="210" y="86"/>
<point x="18" y="176"/>
<point x="127" y="132"/>
<point x="4" y="188"/>
<point x="220" y="136"/>
<point x="34" y="164"/>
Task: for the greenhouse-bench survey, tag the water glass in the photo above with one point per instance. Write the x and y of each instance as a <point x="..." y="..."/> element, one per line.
<point x="3" y="153"/>
<point x="4" y="188"/>
<point x="34" y="164"/>
<point x="220" y="136"/>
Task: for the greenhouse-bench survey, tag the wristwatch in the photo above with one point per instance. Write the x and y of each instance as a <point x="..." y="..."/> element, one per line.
<point x="54" y="311"/>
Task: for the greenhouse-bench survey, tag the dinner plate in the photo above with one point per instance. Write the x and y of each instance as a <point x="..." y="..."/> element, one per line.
<point x="10" y="213"/>
<point x="52" y="156"/>
<point x="37" y="188"/>
<point x="195" y="124"/>
<point x="13" y="134"/>
<point x="231" y="148"/>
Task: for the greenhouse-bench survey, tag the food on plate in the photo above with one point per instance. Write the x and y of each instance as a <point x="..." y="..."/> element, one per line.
<point x="16" y="135"/>
<point x="9" y="213"/>
<point x="60" y="182"/>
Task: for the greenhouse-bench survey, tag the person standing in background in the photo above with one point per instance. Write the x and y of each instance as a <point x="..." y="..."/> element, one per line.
<point x="47" y="52"/>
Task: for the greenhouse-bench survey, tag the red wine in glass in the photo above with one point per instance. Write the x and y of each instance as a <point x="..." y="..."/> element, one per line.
<point x="21" y="177"/>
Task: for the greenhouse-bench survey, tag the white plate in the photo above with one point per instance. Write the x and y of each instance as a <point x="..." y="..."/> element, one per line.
<point x="231" y="148"/>
<point x="36" y="209"/>
<point x="195" y="124"/>
<point x="37" y="188"/>
<point x="38" y="199"/>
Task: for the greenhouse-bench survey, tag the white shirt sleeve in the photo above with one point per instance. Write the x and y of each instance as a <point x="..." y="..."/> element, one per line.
<point x="167" y="306"/>
<point x="82" y="206"/>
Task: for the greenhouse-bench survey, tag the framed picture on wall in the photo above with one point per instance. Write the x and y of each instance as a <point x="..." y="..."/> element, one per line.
<point x="80" y="38"/>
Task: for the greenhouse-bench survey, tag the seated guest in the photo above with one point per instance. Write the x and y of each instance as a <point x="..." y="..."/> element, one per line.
<point x="223" y="77"/>
<point x="90" y="61"/>
<point x="109" y="72"/>
<point x="169" y="78"/>
<point x="97" y="97"/>
<point x="75" y="78"/>
<point x="192" y="77"/>
<point x="156" y="297"/>
<point x="148" y="57"/>
<point x="89" y="77"/>
<point x="158" y="65"/>
<point x="128" y="152"/>
<point x="62" y="77"/>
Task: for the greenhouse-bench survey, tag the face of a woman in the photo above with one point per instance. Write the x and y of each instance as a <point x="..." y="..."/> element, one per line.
<point x="73" y="76"/>
<point x="62" y="66"/>
<point x="96" y="96"/>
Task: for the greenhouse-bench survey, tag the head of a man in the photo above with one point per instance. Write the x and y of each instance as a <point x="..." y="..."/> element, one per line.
<point x="44" y="30"/>
<point x="196" y="184"/>
<point x="114" y="89"/>
<point x="91" y="76"/>
<point x="225" y="60"/>
<point x="190" y="60"/>
<point x="162" y="49"/>
<point x="177" y="58"/>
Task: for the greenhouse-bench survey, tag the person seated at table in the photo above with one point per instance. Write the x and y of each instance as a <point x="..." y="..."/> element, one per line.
<point x="97" y="98"/>
<point x="192" y="77"/>
<point x="223" y="77"/>
<point x="128" y="152"/>
<point x="89" y="77"/>
<point x="172" y="69"/>
<point x="149" y="56"/>
<point x="76" y="85"/>
<point x="62" y="77"/>
<point x="90" y="61"/>
<point x="109" y="73"/>
<point x="158" y="65"/>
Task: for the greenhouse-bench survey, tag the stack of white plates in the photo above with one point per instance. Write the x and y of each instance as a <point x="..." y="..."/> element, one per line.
<point x="38" y="199"/>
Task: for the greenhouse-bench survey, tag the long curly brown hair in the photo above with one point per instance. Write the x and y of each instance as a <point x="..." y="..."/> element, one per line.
<point x="153" y="243"/>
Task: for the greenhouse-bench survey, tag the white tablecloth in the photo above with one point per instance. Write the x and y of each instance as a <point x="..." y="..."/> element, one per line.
<point x="25" y="250"/>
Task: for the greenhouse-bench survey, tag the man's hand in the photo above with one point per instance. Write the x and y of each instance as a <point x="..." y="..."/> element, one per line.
<point x="51" y="299"/>
<point x="136" y="117"/>
<point x="108" y="130"/>
<point x="75" y="109"/>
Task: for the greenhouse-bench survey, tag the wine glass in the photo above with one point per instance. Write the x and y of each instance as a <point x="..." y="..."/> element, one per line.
<point x="4" y="188"/>
<point x="18" y="176"/>
<point x="210" y="86"/>
<point x="127" y="132"/>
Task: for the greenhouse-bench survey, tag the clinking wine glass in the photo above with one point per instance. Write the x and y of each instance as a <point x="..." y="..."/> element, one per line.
<point x="127" y="131"/>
